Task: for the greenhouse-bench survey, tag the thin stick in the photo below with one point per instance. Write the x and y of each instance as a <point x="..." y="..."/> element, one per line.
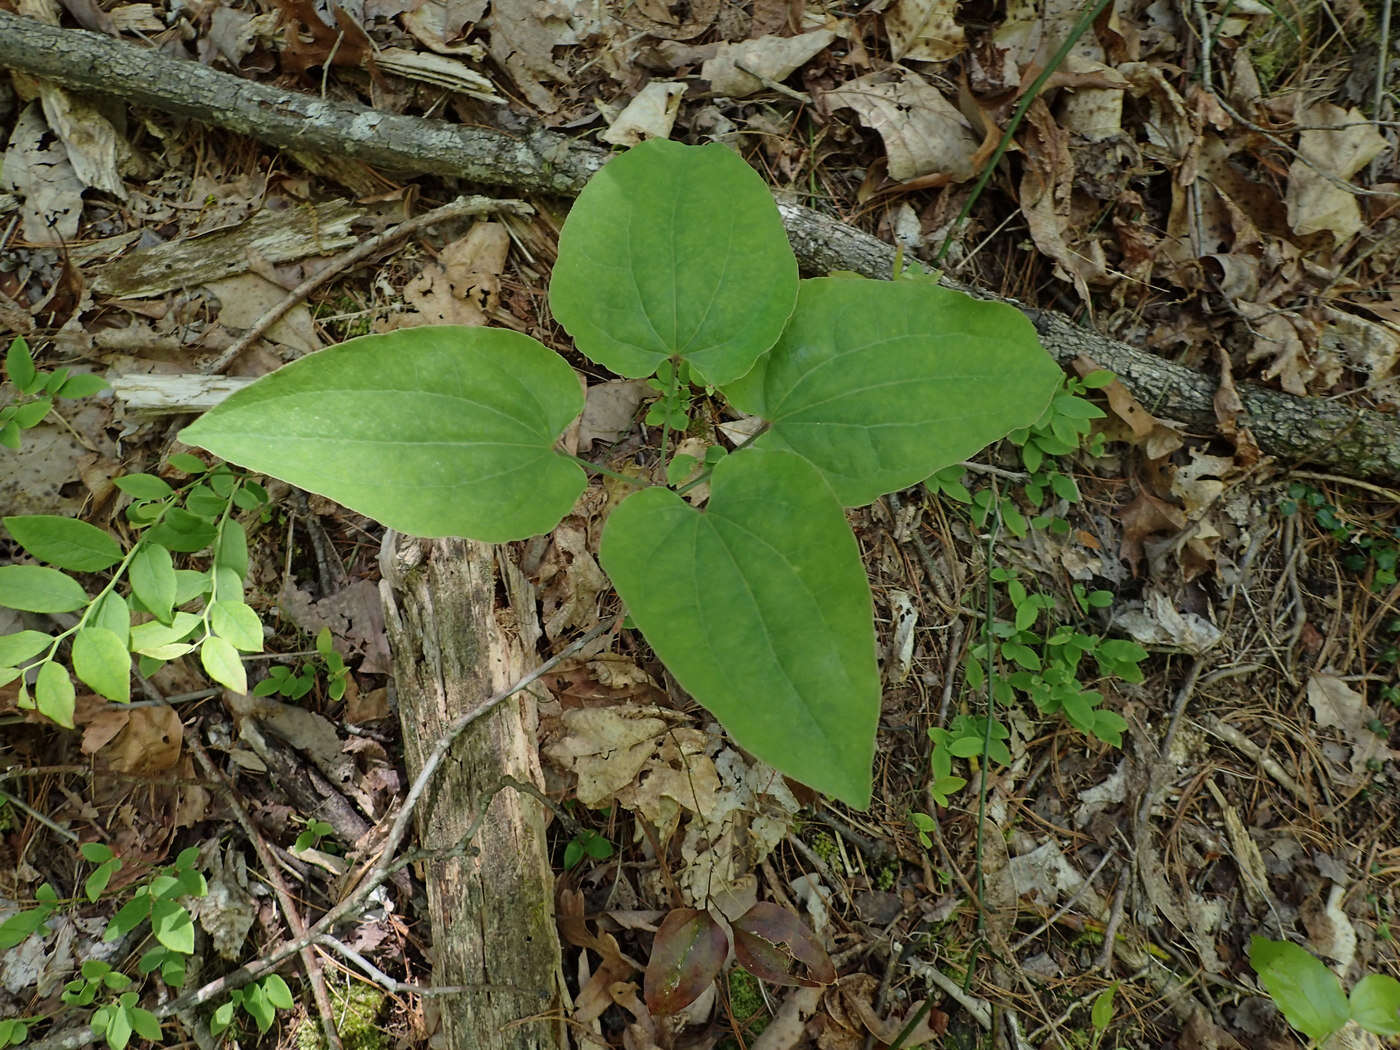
<point x="461" y="208"/>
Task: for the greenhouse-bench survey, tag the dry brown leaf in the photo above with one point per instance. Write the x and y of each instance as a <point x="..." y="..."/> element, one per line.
<point x="671" y="19"/>
<point x="1229" y="413"/>
<point x="1344" y="143"/>
<point x="607" y="747"/>
<point x="924" y="31"/>
<point x="924" y="134"/>
<point x="650" y="115"/>
<point x="1337" y="705"/>
<point x="859" y="992"/>
<point x="1092" y="108"/>
<point x="610" y="411"/>
<point x="571" y="581"/>
<point x="149" y="744"/>
<point x="1048" y="202"/>
<point x="245" y="298"/>
<point x="441" y="24"/>
<point x="523" y="36"/>
<point x="1146" y="516"/>
<point x="463" y="286"/>
<point x="735" y="69"/>
<point x="87" y="135"/>
<point x="36" y="166"/>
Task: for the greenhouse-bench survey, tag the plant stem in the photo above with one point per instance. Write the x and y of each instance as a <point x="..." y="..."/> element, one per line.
<point x="595" y="468"/>
<point x="1086" y="19"/>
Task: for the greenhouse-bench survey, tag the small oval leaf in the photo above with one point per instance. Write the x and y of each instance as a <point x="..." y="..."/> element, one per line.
<point x="20" y="646"/>
<point x="221" y="662"/>
<point x="435" y="431"/>
<point x="102" y="661"/>
<point x="1375" y="1004"/>
<point x="238" y="623"/>
<point x="776" y="946"/>
<point x="674" y="250"/>
<point x="34" y="588"/>
<point x="686" y="957"/>
<point x="152" y="576"/>
<point x="172" y="926"/>
<point x="54" y="694"/>
<point x="65" y="542"/>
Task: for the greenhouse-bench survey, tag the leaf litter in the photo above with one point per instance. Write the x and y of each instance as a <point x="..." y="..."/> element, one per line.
<point x="1214" y="220"/>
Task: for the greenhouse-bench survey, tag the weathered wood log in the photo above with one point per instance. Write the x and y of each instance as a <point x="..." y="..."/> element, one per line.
<point x="492" y="912"/>
<point x="1355" y="442"/>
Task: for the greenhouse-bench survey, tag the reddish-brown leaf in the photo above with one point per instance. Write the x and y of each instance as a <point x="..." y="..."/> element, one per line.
<point x="776" y="946"/>
<point x="686" y="956"/>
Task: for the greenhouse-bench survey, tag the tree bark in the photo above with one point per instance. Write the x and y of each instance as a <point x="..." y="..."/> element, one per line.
<point x="492" y="910"/>
<point x="1356" y="442"/>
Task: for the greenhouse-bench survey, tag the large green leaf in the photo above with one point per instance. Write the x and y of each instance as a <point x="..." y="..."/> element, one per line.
<point x="760" y="608"/>
<point x="674" y="250"/>
<point x="1301" y="985"/>
<point x="881" y="383"/>
<point x="436" y="431"/>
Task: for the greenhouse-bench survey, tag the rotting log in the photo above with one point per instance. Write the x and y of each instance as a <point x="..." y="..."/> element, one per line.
<point x="490" y="898"/>
<point x="1296" y="430"/>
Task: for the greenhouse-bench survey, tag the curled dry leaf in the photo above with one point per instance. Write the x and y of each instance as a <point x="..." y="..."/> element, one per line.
<point x="924" y="134"/>
<point x="736" y="68"/>
<point x="924" y="30"/>
<point x="686" y="956"/>
<point x="776" y="946"/>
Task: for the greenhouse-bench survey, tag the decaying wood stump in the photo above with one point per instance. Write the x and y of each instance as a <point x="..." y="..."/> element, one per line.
<point x="492" y="914"/>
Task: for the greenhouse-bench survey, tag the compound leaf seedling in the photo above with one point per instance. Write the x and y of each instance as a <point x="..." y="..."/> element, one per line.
<point x="674" y="260"/>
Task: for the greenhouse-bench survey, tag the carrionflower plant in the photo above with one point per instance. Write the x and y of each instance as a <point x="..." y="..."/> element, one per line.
<point x="674" y="261"/>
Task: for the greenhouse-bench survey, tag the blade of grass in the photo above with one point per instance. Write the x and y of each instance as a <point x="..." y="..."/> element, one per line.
<point x="1086" y="19"/>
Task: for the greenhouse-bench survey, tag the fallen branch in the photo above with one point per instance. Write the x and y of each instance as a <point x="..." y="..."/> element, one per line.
<point x="1355" y="442"/>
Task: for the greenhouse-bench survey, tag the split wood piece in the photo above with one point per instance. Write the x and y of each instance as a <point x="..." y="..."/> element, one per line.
<point x="1355" y="442"/>
<point x="492" y="913"/>
<point x="277" y="236"/>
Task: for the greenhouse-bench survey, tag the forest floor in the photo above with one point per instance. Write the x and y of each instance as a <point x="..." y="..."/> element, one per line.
<point x="1209" y="182"/>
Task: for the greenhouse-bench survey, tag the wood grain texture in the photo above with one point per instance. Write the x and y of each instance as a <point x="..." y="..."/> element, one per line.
<point x="492" y="913"/>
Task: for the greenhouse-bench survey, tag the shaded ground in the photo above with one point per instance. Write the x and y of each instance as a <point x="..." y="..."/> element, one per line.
<point x="1214" y="184"/>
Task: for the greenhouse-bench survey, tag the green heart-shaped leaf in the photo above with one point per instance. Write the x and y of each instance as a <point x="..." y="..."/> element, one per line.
<point x="760" y="608"/>
<point x="438" y="431"/>
<point x="1301" y="985"/>
<point x="674" y="250"/>
<point x="879" y="384"/>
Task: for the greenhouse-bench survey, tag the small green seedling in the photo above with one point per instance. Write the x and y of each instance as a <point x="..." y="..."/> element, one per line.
<point x="118" y="1021"/>
<point x="1101" y="1014"/>
<point x="1311" y="998"/>
<point x="311" y="836"/>
<point x="37" y="390"/>
<point x="336" y="671"/>
<point x="586" y="844"/>
<point x="260" y="1000"/>
<point x="674" y="263"/>
<point x="284" y="681"/>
